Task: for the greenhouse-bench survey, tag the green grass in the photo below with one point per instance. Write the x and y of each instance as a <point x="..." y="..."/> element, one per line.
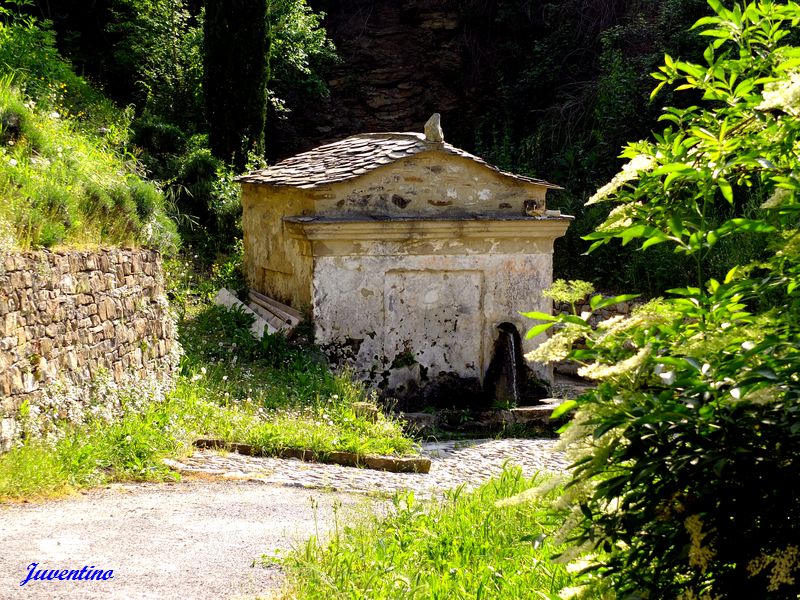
<point x="94" y="453"/>
<point x="275" y="393"/>
<point x="63" y="187"/>
<point x="132" y="447"/>
<point x="320" y="419"/>
<point x="465" y="547"/>
<point x="67" y="174"/>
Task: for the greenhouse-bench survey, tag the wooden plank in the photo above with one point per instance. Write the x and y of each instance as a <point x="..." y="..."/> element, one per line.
<point x="271" y="318"/>
<point x="228" y="299"/>
<point x="283" y="317"/>
<point x="276" y="307"/>
<point x="287" y="313"/>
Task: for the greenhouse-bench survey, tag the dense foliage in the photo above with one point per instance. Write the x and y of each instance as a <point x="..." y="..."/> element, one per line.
<point x="686" y="474"/>
<point x="61" y="186"/>
<point x="195" y="109"/>
<point x="235" y="77"/>
<point x="563" y="85"/>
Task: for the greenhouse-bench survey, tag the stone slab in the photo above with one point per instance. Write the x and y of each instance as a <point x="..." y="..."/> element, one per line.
<point x="394" y="464"/>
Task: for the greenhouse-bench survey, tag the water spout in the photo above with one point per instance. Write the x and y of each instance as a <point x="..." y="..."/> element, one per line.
<point x="507" y="370"/>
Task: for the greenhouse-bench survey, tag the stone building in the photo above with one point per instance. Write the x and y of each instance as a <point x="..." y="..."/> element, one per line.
<point x="407" y="252"/>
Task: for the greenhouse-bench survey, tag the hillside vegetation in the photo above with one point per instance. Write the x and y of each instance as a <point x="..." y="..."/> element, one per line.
<point x="66" y="175"/>
<point x="61" y="186"/>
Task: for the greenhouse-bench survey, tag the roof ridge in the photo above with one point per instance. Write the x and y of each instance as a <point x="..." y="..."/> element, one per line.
<point x="357" y="155"/>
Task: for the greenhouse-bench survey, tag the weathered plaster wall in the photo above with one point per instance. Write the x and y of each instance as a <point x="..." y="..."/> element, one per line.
<point x="410" y="321"/>
<point x="427" y="184"/>
<point x="67" y="317"/>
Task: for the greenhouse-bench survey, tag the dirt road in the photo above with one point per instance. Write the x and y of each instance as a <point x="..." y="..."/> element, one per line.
<point x="194" y="539"/>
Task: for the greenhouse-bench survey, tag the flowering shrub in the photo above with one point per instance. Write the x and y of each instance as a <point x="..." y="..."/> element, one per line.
<point x="687" y="454"/>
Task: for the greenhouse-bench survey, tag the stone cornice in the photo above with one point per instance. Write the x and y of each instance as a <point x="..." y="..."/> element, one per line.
<point x="337" y="236"/>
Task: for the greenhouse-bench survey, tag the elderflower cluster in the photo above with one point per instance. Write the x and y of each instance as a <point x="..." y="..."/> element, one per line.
<point x="629" y="172"/>
<point x="784" y="563"/>
<point x="620" y="217"/>
<point x="778" y="198"/>
<point x="783" y="95"/>
<point x="599" y="371"/>
<point x="699" y="555"/>
<point x="556" y="347"/>
<point x="651" y="313"/>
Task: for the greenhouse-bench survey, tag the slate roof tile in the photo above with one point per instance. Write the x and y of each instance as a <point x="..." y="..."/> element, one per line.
<point x="357" y="155"/>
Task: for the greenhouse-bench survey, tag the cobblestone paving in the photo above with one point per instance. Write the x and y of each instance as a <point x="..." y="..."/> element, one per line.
<point x="452" y="463"/>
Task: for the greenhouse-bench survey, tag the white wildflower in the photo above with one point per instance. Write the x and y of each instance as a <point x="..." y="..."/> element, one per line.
<point x="629" y="172"/>
<point x="668" y="377"/>
<point x="571" y="592"/>
<point x="748" y="345"/>
<point x="600" y="371"/>
<point x="7" y="241"/>
<point x="783" y="95"/>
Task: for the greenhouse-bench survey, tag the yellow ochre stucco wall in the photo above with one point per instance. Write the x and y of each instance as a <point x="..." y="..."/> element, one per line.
<point x="276" y="264"/>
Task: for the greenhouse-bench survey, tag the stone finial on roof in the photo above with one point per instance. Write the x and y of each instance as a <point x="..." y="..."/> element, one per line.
<point x="433" y="129"/>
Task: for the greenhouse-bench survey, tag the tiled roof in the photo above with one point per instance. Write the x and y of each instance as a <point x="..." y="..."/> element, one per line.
<point x="357" y="155"/>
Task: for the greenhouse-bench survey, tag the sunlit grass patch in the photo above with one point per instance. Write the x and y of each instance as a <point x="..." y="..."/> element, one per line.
<point x="465" y="547"/>
<point x="62" y="186"/>
<point x="95" y="453"/>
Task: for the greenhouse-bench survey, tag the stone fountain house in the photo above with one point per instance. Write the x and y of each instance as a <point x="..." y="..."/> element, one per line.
<point x="412" y="256"/>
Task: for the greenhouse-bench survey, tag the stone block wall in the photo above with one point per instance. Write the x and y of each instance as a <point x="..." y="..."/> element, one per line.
<point x="68" y="317"/>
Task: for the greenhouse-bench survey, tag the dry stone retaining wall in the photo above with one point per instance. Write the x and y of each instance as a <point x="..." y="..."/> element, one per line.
<point x="68" y="317"/>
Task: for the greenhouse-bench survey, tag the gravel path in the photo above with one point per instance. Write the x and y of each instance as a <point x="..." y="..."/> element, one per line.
<point x="198" y="538"/>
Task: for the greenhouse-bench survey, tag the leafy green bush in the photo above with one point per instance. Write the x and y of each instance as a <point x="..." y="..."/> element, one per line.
<point x="688" y="452"/>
